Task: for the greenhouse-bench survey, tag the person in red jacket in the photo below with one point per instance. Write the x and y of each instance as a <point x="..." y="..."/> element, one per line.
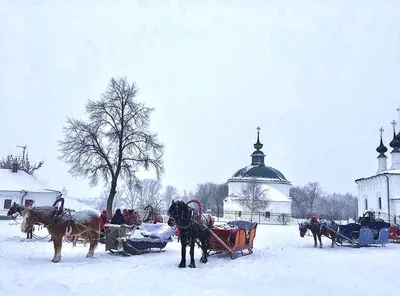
<point x="103" y="220"/>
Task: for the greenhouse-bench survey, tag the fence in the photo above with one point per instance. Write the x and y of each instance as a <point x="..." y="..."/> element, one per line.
<point x="259" y="217"/>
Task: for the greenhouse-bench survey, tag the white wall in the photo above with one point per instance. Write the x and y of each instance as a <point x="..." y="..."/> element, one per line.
<point x="41" y="198"/>
<point x="231" y="205"/>
<point x="373" y="188"/>
<point x="236" y="187"/>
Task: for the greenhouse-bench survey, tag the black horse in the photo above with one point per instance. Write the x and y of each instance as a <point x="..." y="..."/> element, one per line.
<point x="192" y="227"/>
<point x="17" y="208"/>
<point x="319" y="228"/>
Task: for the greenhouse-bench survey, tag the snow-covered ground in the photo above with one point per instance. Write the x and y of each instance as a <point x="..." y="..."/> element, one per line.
<point x="282" y="264"/>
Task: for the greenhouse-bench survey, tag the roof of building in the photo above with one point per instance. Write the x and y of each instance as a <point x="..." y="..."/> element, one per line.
<point x="20" y="181"/>
<point x="258" y="169"/>
<point x="260" y="172"/>
<point x="388" y="172"/>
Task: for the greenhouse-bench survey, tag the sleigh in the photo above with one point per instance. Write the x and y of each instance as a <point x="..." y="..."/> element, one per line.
<point x="137" y="240"/>
<point x="234" y="237"/>
<point x="394" y="234"/>
<point x="369" y="231"/>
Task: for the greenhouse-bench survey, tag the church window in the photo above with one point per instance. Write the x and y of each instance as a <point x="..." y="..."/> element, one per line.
<point x="240" y="214"/>
<point x="267" y="215"/>
<point x="7" y="204"/>
<point x="366" y="204"/>
<point x="380" y="203"/>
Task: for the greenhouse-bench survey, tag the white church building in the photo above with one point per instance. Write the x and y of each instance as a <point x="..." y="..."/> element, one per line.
<point x="380" y="193"/>
<point x="273" y="183"/>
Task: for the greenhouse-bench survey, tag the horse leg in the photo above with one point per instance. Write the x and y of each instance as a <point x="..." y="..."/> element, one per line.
<point x="192" y="263"/>
<point x="94" y="237"/>
<point x="315" y="239"/>
<point x="204" y="248"/>
<point x="320" y="240"/>
<point x="183" y="252"/>
<point x="57" y="241"/>
<point x="74" y="240"/>
<point x="333" y="237"/>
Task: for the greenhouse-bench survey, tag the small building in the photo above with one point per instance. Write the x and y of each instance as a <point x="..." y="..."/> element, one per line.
<point x="273" y="183"/>
<point x="380" y="193"/>
<point x="23" y="188"/>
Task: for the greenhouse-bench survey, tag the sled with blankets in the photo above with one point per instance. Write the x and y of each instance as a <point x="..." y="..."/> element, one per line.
<point x="136" y="240"/>
<point x="145" y="234"/>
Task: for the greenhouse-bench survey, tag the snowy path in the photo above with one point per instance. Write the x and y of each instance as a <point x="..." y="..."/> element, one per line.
<point x="282" y="264"/>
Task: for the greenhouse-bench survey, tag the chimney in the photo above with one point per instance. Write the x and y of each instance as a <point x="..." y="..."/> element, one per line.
<point x="14" y="167"/>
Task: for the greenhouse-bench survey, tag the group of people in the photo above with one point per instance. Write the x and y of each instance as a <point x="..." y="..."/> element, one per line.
<point x="128" y="217"/>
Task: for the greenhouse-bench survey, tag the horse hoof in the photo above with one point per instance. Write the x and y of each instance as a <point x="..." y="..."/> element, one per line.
<point x="203" y="260"/>
<point x="182" y="265"/>
<point x="90" y="255"/>
<point x="320" y="247"/>
<point x="192" y="265"/>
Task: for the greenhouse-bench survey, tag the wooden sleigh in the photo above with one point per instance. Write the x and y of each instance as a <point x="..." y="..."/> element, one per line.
<point x="233" y="237"/>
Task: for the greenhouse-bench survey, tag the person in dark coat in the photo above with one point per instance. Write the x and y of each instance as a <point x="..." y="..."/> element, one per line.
<point x="117" y="218"/>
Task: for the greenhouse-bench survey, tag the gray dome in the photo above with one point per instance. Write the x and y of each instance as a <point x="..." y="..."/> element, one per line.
<point x="260" y="171"/>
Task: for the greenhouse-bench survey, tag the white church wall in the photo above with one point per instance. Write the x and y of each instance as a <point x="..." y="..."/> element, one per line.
<point x="236" y="187"/>
<point x="374" y="188"/>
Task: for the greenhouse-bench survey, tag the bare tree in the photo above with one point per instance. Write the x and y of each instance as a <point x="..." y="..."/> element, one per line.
<point x="299" y="202"/>
<point x="217" y="201"/>
<point x="186" y="196"/>
<point x="23" y="163"/>
<point x="253" y="197"/>
<point x="115" y="141"/>
<point x="150" y="194"/>
<point x="313" y="193"/>
<point x="206" y="194"/>
<point x="103" y="199"/>
<point x="170" y="193"/>
<point x="131" y="194"/>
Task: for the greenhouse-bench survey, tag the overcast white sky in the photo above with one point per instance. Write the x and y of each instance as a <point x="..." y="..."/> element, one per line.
<point x="320" y="79"/>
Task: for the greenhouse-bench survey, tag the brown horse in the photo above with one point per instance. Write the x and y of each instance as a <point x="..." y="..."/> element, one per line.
<point x="60" y="223"/>
<point x="17" y="208"/>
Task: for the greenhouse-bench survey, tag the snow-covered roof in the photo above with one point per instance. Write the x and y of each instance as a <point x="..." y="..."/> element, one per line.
<point x="19" y="181"/>
<point x="271" y="193"/>
<point x="388" y="172"/>
<point x="76" y="205"/>
<point x="259" y="172"/>
<point x="274" y="194"/>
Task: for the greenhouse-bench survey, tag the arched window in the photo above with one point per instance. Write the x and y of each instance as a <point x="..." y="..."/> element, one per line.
<point x="366" y="204"/>
<point x="240" y="214"/>
<point x="267" y="215"/>
<point x="380" y="203"/>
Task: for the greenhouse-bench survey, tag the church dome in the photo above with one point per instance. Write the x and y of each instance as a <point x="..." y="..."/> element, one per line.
<point x="260" y="171"/>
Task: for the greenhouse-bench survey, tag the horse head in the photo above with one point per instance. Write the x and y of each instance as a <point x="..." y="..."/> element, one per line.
<point x="40" y="215"/>
<point x="15" y="208"/>
<point x="178" y="212"/>
<point x="303" y="228"/>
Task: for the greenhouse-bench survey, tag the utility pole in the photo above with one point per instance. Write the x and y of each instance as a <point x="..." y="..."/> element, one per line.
<point x="23" y="153"/>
